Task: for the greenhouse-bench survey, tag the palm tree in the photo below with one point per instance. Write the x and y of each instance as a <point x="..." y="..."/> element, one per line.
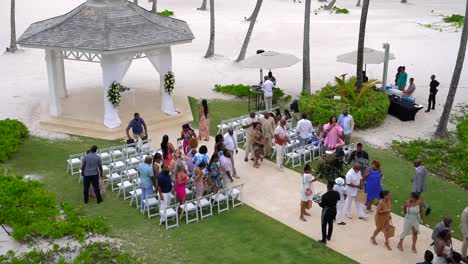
<point x="255" y="11"/>
<point x="13" y="47"/>
<point x="306" y="50"/>
<point x="442" y="126"/>
<point x="203" y="6"/>
<point x="154" y="7"/>
<point x="211" y="46"/>
<point x="253" y="18"/>
<point x="360" y="51"/>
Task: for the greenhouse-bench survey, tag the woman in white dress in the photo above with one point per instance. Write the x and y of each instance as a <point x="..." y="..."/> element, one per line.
<point x="443" y="248"/>
<point x="307" y="190"/>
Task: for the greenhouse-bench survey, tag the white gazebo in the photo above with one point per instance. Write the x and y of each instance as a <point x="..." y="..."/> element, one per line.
<point x="112" y="33"/>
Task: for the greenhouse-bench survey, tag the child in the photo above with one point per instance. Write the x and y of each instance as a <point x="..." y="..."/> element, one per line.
<point x="340" y="188"/>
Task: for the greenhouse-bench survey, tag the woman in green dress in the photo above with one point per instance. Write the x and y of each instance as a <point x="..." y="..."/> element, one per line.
<point x="413" y="209"/>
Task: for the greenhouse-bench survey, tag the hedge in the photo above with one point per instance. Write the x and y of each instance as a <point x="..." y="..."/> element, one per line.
<point x="242" y="91"/>
<point x="12" y="133"/>
<point x="321" y="106"/>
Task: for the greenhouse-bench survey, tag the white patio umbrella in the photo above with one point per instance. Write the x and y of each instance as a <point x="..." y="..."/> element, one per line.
<point x="371" y="56"/>
<point x="269" y="60"/>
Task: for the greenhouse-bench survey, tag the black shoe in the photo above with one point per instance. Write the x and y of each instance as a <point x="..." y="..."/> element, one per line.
<point x="85" y="201"/>
<point x="433" y="108"/>
<point x="246" y="160"/>
<point x="324" y="242"/>
<point x="328" y="238"/>
<point x="427" y="110"/>
<point x="342" y="223"/>
<point x="102" y="200"/>
<point x="428" y="211"/>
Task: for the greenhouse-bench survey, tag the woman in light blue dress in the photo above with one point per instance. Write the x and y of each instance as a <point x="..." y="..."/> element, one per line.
<point x="413" y="210"/>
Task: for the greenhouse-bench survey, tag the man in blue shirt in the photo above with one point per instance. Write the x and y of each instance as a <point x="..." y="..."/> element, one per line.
<point x="164" y="187"/>
<point x="137" y="124"/>
<point x="91" y="171"/>
<point x="346" y="121"/>
<point x="146" y="174"/>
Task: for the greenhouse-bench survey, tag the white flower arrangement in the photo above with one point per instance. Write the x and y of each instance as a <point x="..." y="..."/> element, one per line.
<point x="113" y="94"/>
<point x="169" y="81"/>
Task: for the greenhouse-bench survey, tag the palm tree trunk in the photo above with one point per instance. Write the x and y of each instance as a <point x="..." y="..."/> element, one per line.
<point x="154" y="8"/>
<point x="330" y="5"/>
<point x="358" y="3"/>
<point x="442" y="126"/>
<point x="360" y="51"/>
<point x="211" y="46"/>
<point x="306" y="50"/>
<point x="255" y="11"/>
<point x="249" y="31"/>
<point x="203" y="6"/>
<point x="13" y="47"/>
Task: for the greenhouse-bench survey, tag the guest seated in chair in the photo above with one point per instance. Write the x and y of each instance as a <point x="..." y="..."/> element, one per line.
<point x="411" y="88"/>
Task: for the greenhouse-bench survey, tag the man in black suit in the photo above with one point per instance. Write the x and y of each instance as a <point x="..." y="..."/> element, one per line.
<point x="432" y="93"/>
<point x="328" y="204"/>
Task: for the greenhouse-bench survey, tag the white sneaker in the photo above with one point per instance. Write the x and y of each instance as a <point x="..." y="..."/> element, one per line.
<point x="350" y="217"/>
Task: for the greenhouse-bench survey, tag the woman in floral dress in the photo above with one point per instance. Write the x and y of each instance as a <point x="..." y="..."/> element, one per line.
<point x="204" y="121"/>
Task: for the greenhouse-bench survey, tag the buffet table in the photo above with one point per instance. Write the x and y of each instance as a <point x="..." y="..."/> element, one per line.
<point x="402" y="109"/>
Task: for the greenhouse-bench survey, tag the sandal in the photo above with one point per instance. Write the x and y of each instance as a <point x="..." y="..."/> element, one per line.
<point x="303" y="219"/>
<point x="388" y="246"/>
<point x="372" y="240"/>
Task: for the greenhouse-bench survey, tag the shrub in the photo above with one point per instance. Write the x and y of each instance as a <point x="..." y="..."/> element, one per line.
<point x="455" y="20"/>
<point x="12" y="132"/>
<point x="32" y="212"/>
<point x="338" y="10"/>
<point x="242" y="91"/>
<point x="368" y="107"/>
<point x="166" y="13"/>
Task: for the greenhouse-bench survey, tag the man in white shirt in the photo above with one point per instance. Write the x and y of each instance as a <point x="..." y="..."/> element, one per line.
<point x="281" y="139"/>
<point x="268" y="129"/>
<point x="304" y="129"/>
<point x="230" y="143"/>
<point x="225" y="160"/>
<point x="353" y="185"/>
<point x="267" y="88"/>
<point x="248" y="126"/>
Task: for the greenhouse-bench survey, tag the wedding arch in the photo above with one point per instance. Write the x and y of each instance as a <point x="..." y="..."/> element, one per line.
<point x="112" y="33"/>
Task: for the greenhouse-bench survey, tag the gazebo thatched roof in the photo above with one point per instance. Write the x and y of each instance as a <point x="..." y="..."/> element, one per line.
<point x="106" y="26"/>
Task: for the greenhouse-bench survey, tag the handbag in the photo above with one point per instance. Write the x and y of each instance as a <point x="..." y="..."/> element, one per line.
<point x="391" y="230"/>
<point x="361" y="197"/>
<point x="308" y="191"/>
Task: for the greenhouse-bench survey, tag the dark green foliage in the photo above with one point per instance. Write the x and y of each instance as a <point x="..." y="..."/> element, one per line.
<point x="32" y="212"/>
<point x="12" y="132"/>
<point x="166" y="13"/>
<point x="445" y="157"/>
<point x="455" y="19"/>
<point x="368" y="109"/>
<point x="338" y="10"/>
<point x="242" y="91"/>
<point x="100" y="252"/>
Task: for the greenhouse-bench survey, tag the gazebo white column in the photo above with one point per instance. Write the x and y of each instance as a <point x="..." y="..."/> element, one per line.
<point x="56" y="79"/>
<point x="161" y="59"/>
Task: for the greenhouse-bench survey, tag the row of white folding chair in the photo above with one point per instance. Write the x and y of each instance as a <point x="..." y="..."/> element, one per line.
<point x="74" y="163"/>
<point x="290" y="145"/>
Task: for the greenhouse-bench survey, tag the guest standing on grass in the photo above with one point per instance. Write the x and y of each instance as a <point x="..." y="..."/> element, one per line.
<point x="91" y="171"/>
<point x="307" y="191"/>
<point x="248" y="126"/>
<point x="199" y="178"/>
<point x="157" y="162"/>
<point x="359" y="155"/>
<point x="373" y="176"/>
<point x="420" y="183"/>
<point x="102" y="186"/>
<point x="225" y="160"/>
<point x="464" y="229"/>
<point x="383" y="218"/>
<point x="443" y="248"/>
<point x="353" y="186"/>
<point x="203" y="121"/>
<point x="180" y="183"/>
<point x="413" y="213"/>
<point x="214" y="172"/>
<point x="258" y="144"/>
<point x="281" y="139"/>
<point x="402" y="79"/>
<point x="432" y="93"/>
<point x="230" y="144"/>
<point x="167" y="150"/>
<point x="164" y="188"/>
<point x="185" y="135"/>
<point x="146" y="173"/>
<point x="268" y="128"/>
<point x="328" y="204"/>
<point x="267" y="88"/>
<point x="191" y="152"/>
<point x="346" y="121"/>
<point x="201" y="156"/>
<point x="304" y="129"/>
<point x="334" y="132"/>
<point x="341" y="189"/>
<point x="443" y="225"/>
<point x="138" y="126"/>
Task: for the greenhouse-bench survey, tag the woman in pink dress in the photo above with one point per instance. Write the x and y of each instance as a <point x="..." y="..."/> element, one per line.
<point x="334" y="132"/>
<point x="199" y="179"/>
<point x="167" y="149"/>
<point x="181" y="180"/>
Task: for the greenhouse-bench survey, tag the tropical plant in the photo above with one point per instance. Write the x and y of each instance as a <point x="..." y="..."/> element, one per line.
<point x="360" y="51"/>
<point x="348" y="89"/>
<point x="242" y="91"/>
<point x="166" y="13"/>
<point x="13" y="47"/>
<point x="169" y="81"/>
<point x="306" y="50"/>
<point x="211" y="45"/>
<point x="253" y="19"/>
<point x="12" y="134"/>
<point x="113" y="93"/>
<point x="443" y="121"/>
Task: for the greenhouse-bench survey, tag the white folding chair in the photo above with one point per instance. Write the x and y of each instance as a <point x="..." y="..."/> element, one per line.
<point x="125" y="187"/>
<point x="136" y="195"/>
<point x="171" y="212"/>
<point x="204" y="203"/>
<point x="132" y="161"/>
<point x="219" y="198"/>
<point x="306" y="153"/>
<point x="74" y="163"/>
<point x="151" y="203"/>
<point x="294" y="157"/>
<point x="235" y="193"/>
<point x="189" y="208"/>
<point x="117" y="152"/>
<point x="129" y="149"/>
<point x="105" y="155"/>
<point x="144" y="145"/>
<point x="222" y="127"/>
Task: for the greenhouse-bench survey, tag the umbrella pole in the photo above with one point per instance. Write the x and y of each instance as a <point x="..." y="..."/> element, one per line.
<point x="261" y="76"/>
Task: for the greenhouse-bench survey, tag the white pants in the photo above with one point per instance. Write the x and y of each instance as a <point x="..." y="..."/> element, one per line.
<point x="339" y="211"/>
<point x="359" y="206"/>
<point x="164" y="204"/>
<point x="280" y="149"/>
<point x="248" y="145"/>
<point x="268" y="103"/>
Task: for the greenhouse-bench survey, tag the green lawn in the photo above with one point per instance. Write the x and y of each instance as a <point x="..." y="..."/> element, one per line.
<point x="242" y="235"/>
<point x="445" y="198"/>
